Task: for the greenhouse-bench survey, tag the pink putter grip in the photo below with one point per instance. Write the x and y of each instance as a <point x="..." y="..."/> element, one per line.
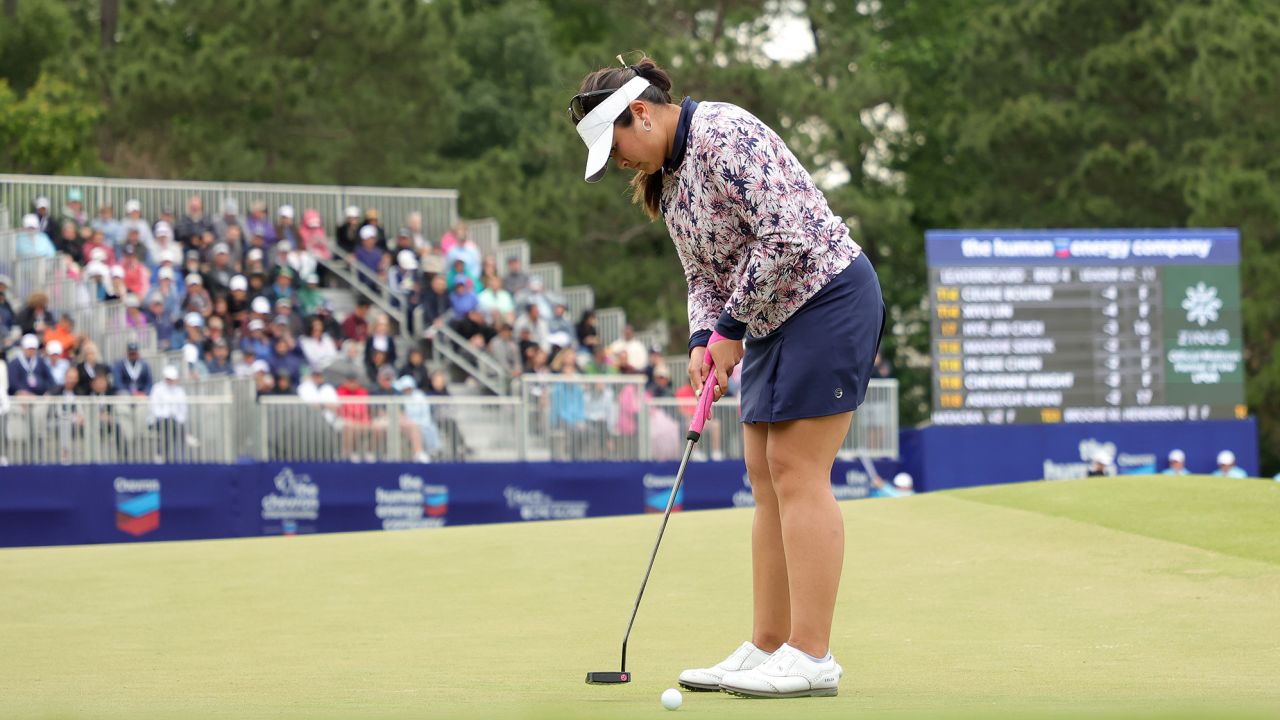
<point x="705" y="399"/>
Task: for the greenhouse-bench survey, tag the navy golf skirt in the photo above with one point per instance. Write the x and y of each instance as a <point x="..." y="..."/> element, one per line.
<point x="820" y="360"/>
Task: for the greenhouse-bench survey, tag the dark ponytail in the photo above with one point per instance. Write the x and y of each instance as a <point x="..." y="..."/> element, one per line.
<point x="646" y="188"/>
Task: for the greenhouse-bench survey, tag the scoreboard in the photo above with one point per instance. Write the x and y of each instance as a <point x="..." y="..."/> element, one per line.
<point x="1069" y="326"/>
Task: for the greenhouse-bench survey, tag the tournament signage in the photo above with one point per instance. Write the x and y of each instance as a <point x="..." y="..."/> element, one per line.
<point x="1085" y="326"/>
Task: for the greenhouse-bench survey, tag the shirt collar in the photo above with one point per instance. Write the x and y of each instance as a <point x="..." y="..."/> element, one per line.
<point x="681" y="142"/>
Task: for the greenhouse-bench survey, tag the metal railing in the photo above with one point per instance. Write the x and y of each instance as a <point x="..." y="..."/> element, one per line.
<point x="439" y="208"/>
<point x="487" y="235"/>
<point x="556" y="418"/>
<point x="518" y="249"/>
<point x="53" y="430"/>
<point x="550" y="273"/>
<point x="578" y="299"/>
<point x="392" y="429"/>
<point x="609" y="324"/>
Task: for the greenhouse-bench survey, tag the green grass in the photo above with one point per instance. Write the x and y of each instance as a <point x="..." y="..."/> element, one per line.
<point x="1102" y="598"/>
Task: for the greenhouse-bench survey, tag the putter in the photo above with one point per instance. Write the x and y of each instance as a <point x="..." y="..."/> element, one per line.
<point x="695" y="432"/>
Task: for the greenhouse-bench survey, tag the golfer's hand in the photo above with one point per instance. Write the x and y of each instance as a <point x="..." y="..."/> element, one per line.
<point x="726" y="354"/>
<point x="697" y="369"/>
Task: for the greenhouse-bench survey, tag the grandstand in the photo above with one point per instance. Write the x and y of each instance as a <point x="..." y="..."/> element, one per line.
<point x="306" y="323"/>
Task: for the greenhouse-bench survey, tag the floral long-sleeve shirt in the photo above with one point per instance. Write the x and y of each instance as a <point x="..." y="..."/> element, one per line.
<point x="753" y="232"/>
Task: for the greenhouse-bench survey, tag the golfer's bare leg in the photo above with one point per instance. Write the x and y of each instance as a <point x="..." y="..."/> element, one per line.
<point x="771" y="623"/>
<point x="800" y="454"/>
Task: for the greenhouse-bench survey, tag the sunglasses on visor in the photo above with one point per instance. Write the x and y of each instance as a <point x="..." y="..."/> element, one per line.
<point x="583" y="103"/>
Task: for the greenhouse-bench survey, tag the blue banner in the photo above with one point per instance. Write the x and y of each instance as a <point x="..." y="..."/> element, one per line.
<point x="1218" y="246"/>
<point x="963" y="456"/>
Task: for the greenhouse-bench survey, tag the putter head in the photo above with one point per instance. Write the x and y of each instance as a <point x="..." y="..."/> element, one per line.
<point x="608" y="678"/>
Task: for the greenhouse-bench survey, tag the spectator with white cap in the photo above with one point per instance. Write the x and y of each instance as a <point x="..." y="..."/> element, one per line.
<point x="133" y="222"/>
<point x="167" y="289"/>
<point x="193" y="223"/>
<point x="58" y="363"/>
<point x="132" y="374"/>
<point x="198" y="298"/>
<point x="370" y="255"/>
<point x="96" y="276"/>
<point x="1177" y="463"/>
<point x="285" y="227"/>
<point x="1100" y="463"/>
<point x="29" y="374"/>
<point x="44" y="217"/>
<point x="403" y="279"/>
<point x="348" y="233"/>
<point x="117" y="290"/>
<point x="161" y="318"/>
<point x="255" y="338"/>
<point x="371" y="220"/>
<point x="1227" y="466"/>
<point x="168" y="417"/>
<point x="219" y="362"/>
<point x="33" y="242"/>
<point x="259" y="224"/>
<point x="163" y="248"/>
<point x="221" y="270"/>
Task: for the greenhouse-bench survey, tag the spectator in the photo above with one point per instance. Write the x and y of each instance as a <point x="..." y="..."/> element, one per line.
<point x="32" y="241"/>
<point x="193" y="223"/>
<point x="348" y="364"/>
<point x="1100" y="464"/>
<point x="132" y="375"/>
<point x="284" y="385"/>
<point x="354" y="412"/>
<point x="169" y="416"/>
<point x="313" y="390"/>
<point x="63" y="333"/>
<point x="287" y="317"/>
<point x="467" y="251"/>
<point x="1227" y="466"/>
<point x="418" y="412"/>
<point x="560" y="332"/>
<point x="1177" y="463"/>
<point x="69" y="241"/>
<point x="386" y="421"/>
<point x="883" y="370"/>
<point x="533" y="294"/>
<point x="8" y="318"/>
<point x="588" y="335"/>
<point x="371" y="220"/>
<point x="473" y="327"/>
<point x="458" y="271"/>
<point x="35" y="317"/>
<point x="415" y="366"/>
<point x="255" y="339"/>
<point x="436" y="304"/>
<point x="229" y="219"/>
<point x="403" y="280"/>
<point x="164" y="321"/>
<point x="629" y="347"/>
<point x="74" y="208"/>
<point x="165" y="249"/>
<point x="137" y="278"/>
<point x="287" y="357"/>
<point x="118" y="290"/>
<point x="370" y="255"/>
<point x="498" y="304"/>
<point x="245" y="367"/>
<point x="134" y="316"/>
<point x="454" y="445"/>
<point x="505" y="350"/>
<point x="317" y="347"/>
<point x="356" y="326"/>
<point x="258" y="224"/>
<point x="192" y="332"/>
<point x="312" y="240"/>
<point x="44" y="219"/>
<point x="600" y="411"/>
<point x="98" y="243"/>
<point x="106" y="223"/>
<point x="58" y="363"/>
<point x="661" y="385"/>
<point x="167" y="289"/>
<point x="348" y="233"/>
<point x="136" y="229"/>
<point x="218" y="278"/>
<point x="453" y="237"/>
<point x="30" y="374"/>
<point x="308" y="300"/>
<point x="90" y="367"/>
<point x="198" y="298"/>
<point x="516" y="281"/>
<point x="533" y="322"/>
<point x="462" y="300"/>
<point x="420" y="242"/>
<point x="219" y="362"/>
<point x="380" y="340"/>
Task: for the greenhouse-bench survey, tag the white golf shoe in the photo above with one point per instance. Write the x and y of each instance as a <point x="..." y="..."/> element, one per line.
<point x="746" y="657"/>
<point x="787" y="673"/>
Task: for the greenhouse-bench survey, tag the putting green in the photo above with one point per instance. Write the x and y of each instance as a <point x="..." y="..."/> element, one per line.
<point x="1119" y="597"/>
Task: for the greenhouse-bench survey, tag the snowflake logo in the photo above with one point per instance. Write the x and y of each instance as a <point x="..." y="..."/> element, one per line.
<point x="1202" y="304"/>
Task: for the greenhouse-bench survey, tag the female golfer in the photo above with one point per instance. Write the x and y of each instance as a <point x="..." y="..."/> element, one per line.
<point x="769" y="264"/>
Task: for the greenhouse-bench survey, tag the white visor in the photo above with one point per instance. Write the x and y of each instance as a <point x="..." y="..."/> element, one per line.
<point x="596" y="128"/>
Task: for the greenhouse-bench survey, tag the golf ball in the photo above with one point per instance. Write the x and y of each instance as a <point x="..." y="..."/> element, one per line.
<point x="671" y="699"/>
